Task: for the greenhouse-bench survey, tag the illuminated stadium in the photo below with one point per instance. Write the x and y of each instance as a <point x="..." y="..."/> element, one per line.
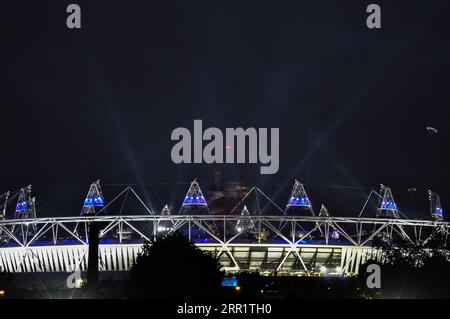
<point x="294" y="241"/>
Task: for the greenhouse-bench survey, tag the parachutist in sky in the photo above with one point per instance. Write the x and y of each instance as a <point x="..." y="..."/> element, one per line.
<point x="431" y="130"/>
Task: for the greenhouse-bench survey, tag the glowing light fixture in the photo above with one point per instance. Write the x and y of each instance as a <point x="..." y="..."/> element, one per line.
<point x="299" y="201"/>
<point x="22" y="206"/>
<point x="335" y="234"/>
<point x="388" y="207"/>
<point x="299" y="198"/>
<point x="245" y="223"/>
<point x="194" y="196"/>
<point x="94" y="199"/>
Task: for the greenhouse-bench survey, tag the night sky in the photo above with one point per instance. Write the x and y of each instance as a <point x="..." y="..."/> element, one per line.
<point x="351" y="103"/>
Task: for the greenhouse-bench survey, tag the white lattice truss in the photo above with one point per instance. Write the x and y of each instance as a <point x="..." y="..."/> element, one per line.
<point x="55" y="247"/>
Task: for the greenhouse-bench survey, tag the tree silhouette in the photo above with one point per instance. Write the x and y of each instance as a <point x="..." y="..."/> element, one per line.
<point x="173" y="267"/>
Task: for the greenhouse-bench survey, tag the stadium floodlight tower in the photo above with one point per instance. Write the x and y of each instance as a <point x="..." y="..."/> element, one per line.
<point x="329" y="231"/>
<point x="94" y="200"/>
<point x="387" y="208"/>
<point x="4" y="203"/>
<point x="245" y="223"/>
<point x="299" y="199"/>
<point x="194" y="202"/>
<point x="25" y="209"/>
<point x="436" y="211"/>
<point x="164" y="225"/>
<point x="165" y="211"/>
<point x="324" y="211"/>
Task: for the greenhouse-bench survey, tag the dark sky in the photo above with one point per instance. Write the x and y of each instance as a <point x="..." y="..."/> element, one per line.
<point x="351" y="103"/>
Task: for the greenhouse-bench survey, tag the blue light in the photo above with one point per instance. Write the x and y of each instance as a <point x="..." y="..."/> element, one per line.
<point x="93" y="202"/>
<point x="22" y="206"/>
<point x="98" y="201"/>
<point x="387" y="205"/>
<point x="439" y="212"/>
<point x="191" y="200"/>
<point x="229" y="282"/>
<point x="299" y="201"/>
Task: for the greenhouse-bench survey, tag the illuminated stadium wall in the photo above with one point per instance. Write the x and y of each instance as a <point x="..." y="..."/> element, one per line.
<point x="261" y="257"/>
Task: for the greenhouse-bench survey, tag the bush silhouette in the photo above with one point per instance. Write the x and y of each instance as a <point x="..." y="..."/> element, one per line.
<point x="173" y="267"/>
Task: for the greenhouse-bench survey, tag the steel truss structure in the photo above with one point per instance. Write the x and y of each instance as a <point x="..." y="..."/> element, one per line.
<point x="303" y="246"/>
<point x="303" y="243"/>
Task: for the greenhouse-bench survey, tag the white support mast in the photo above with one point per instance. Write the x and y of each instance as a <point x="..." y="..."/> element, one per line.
<point x="437" y="214"/>
<point x="387" y="208"/>
<point x="94" y="200"/>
